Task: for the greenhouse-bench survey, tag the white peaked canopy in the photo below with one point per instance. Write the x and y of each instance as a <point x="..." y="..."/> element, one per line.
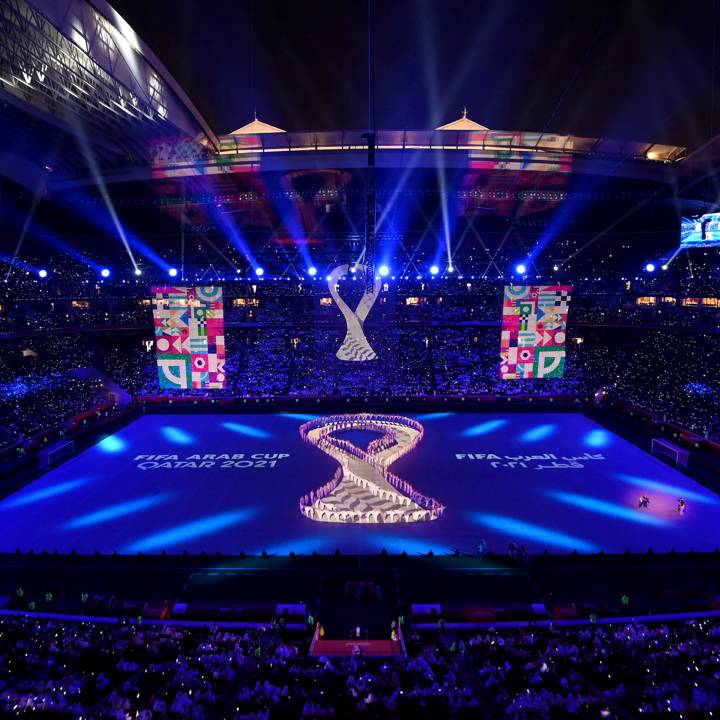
<point x="257" y="127"/>
<point x="463" y="123"/>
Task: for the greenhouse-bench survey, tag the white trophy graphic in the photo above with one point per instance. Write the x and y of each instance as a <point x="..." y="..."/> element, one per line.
<point x="355" y="347"/>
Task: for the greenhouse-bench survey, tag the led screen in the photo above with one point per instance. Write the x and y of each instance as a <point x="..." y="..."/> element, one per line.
<point x="700" y="232"/>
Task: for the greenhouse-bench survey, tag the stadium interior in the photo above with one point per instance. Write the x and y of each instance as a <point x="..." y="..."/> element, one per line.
<point x="320" y="396"/>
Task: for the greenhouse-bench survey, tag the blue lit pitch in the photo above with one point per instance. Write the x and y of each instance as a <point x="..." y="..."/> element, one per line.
<point x="646" y="484"/>
<point x="189" y="531"/>
<point x="603" y="507"/>
<point x="484" y="428"/>
<point x="597" y="438"/>
<point x="113" y="512"/>
<point x="539" y="432"/>
<point x="29" y="498"/>
<point x="112" y="444"/>
<point x="426" y="417"/>
<point x="247" y="430"/>
<point x="176" y="435"/>
<point x="520" y="529"/>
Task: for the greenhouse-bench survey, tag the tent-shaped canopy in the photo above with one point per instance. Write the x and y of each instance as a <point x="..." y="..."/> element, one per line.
<point x="257" y="127"/>
<point x="463" y="123"/>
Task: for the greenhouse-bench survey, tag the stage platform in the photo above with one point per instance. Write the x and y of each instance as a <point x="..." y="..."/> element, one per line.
<point x="233" y="483"/>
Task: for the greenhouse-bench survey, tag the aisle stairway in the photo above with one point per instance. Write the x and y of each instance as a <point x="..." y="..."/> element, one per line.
<point x="348" y="601"/>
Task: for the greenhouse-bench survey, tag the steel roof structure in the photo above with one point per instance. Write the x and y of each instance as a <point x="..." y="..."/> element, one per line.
<point x="73" y="70"/>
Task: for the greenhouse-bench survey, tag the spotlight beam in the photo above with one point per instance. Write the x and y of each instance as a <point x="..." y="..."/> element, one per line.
<point x="440" y="168"/>
<point x="51" y="239"/>
<point x="234" y="235"/>
<point x="97" y="176"/>
<point x="491" y="258"/>
<point x="291" y="220"/>
<point x="640" y="204"/>
<point x="578" y="69"/>
<point x="672" y="257"/>
<point x="23" y="233"/>
<point x="411" y="257"/>
<point x="614" y="223"/>
<point x="432" y="86"/>
<point x="220" y="253"/>
<point x="497" y="252"/>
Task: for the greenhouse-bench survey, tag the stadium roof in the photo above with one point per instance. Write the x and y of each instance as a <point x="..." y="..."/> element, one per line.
<point x="105" y="103"/>
<point x="79" y="89"/>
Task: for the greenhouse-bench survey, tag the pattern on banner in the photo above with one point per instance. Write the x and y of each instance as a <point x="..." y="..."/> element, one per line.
<point x="532" y="343"/>
<point x="189" y="337"/>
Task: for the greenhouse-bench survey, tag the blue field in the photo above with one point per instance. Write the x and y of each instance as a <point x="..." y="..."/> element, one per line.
<point x="231" y="483"/>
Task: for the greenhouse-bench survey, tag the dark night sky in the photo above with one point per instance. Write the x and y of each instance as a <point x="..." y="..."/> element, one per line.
<point x="636" y="69"/>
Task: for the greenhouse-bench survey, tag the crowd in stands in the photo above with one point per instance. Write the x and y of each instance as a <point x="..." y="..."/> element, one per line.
<point x="671" y="372"/>
<point x="39" y="410"/>
<point x="75" y="296"/>
<point x="431" y="339"/>
<point x="122" y="671"/>
<point x="38" y="389"/>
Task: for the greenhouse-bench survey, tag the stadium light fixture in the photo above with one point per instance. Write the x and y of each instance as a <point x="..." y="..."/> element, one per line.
<point x="105" y="273"/>
<point x="259" y="271"/>
<point x="520" y="269"/>
<point x="383" y="271"/>
<point x="451" y="268"/>
<point x="434" y="269"/>
<point x="172" y="272"/>
<point x="312" y="271"/>
<point x="555" y="268"/>
<point x="665" y="267"/>
<point x="42" y="273"/>
<point x="650" y="267"/>
<point x="138" y="271"/>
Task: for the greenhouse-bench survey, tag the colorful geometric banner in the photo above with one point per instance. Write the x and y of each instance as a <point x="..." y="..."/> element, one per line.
<point x="532" y="343"/>
<point x="189" y="337"/>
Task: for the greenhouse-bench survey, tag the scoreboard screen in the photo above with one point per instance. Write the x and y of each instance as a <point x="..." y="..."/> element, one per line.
<point x="700" y="232"/>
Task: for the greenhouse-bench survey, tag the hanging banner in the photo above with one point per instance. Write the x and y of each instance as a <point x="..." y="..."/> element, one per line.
<point x="189" y="337"/>
<point x="534" y="323"/>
